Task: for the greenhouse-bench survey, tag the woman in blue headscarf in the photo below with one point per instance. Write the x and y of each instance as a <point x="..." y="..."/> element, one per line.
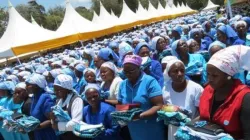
<point x="215" y="47"/>
<point x="228" y="36"/>
<point x="115" y="47"/>
<point x="89" y="55"/>
<point x="106" y="54"/>
<point x="6" y="101"/>
<point x="154" y="67"/>
<point x="247" y="20"/>
<point x="81" y="80"/>
<point x="241" y="29"/>
<point x="41" y="107"/>
<point x="195" y="64"/>
<point x="159" y="46"/>
<point x="196" y="34"/>
<point x="98" y="112"/>
<point x="209" y="31"/>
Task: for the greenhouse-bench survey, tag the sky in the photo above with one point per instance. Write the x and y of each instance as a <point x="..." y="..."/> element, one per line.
<point x="49" y="3"/>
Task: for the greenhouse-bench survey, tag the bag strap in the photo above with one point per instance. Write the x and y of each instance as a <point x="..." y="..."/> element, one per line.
<point x="71" y="102"/>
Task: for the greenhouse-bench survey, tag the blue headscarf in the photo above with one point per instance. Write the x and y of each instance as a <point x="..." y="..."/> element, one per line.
<point x="217" y="43"/>
<point x="178" y="29"/>
<point x="174" y="47"/>
<point x="229" y="31"/>
<point x="105" y="54"/>
<point x="139" y="46"/>
<point x="113" y="44"/>
<point x="7" y="85"/>
<point x="80" y="67"/>
<point x="154" y="42"/>
<point x="193" y="31"/>
<point x="71" y="73"/>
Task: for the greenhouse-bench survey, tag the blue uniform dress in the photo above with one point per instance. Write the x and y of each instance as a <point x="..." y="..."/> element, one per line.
<point x="82" y="82"/>
<point x="8" y="103"/>
<point x="40" y="106"/>
<point x="156" y="72"/>
<point x="102" y="116"/>
<point x="204" y="45"/>
<point x="145" y="88"/>
<point x="196" y="62"/>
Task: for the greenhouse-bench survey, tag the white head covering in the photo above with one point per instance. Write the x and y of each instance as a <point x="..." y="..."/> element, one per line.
<point x="64" y="81"/>
<point x="21" y="85"/>
<point x="37" y="79"/>
<point x="89" y="69"/>
<point x="24" y="73"/>
<point x="111" y="66"/>
<point x="13" y="78"/>
<point x="240" y="22"/>
<point x="56" y="72"/>
<point x="90" y="52"/>
<point x="166" y="59"/>
<point x="169" y="64"/>
<point x="231" y="59"/>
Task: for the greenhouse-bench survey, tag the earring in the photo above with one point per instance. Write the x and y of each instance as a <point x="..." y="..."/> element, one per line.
<point x="229" y="78"/>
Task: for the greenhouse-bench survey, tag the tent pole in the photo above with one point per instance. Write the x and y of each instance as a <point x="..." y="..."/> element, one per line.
<point x="81" y="43"/>
<point x="18" y="60"/>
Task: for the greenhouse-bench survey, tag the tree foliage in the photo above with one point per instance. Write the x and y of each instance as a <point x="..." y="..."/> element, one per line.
<point x="3" y="20"/>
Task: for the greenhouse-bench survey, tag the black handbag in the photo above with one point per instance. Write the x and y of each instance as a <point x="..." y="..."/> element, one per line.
<point x="209" y="128"/>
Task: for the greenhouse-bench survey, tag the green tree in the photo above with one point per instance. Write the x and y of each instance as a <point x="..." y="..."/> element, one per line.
<point x="54" y="17"/>
<point x="38" y="12"/>
<point x="197" y="4"/>
<point x="3" y="21"/>
<point x="218" y="2"/>
<point x="83" y="11"/>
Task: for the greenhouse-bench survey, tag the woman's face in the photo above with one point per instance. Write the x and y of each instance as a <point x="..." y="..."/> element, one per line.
<point x="92" y="97"/>
<point x="221" y="37"/>
<point x="89" y="77"/>
<point x="216" y="78"/>
<point x="87" y="56"/>
<point x="50" y="78"/>
<point x="214" y="49"/>
<point x="177" y="72"/>
<point x="20" y="95"/>
<point x="131" y="71"/>
<point x="135" y="43"/>
<point x="208" y="26"/>
<point x="144" y="52"/>
<point x="107" y="74"/>
<point x="241" y="29"/>
<point x="197" y="36"/>
<point x="182" y="48"/>
<point x="186" y="31"/>
<point x="161" y="45"/>
<point x="193" y="47"/>
<point x="78" y="73"/>
<point x="60" y="92"/>
<point x="98" y="62"/>
<point x="32" y="88"/>
<point x="116" y="50"/>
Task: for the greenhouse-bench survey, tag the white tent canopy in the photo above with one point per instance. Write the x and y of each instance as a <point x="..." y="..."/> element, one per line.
<point x="210" y="5"/>
<point x="104" y="20"/>
<point x="161" y="10"/>
<point x="73" y="23"/>
<point x="152" y="12"/>
<point x="127" y="16"/>
<point x="20" y="32"/>
<point x="141" y="12"/>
